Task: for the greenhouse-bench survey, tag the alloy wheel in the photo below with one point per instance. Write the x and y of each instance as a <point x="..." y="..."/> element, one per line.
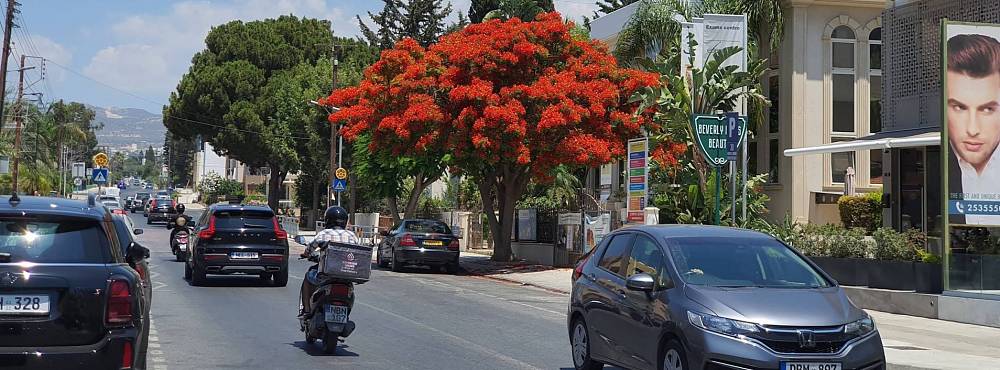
<point x="672" y="360"/>
<point x="581" y="345"/>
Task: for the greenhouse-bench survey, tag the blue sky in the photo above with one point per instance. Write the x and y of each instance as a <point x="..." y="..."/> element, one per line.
<point x="142" y="47"/>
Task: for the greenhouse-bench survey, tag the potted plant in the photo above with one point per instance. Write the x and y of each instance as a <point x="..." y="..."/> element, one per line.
<point x="893" y="267"/>
<point x="928" y="273"/>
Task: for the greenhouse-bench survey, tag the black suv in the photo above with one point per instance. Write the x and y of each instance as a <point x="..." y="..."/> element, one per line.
<point x="238" y="239"/>
<point x="67" y="293"/>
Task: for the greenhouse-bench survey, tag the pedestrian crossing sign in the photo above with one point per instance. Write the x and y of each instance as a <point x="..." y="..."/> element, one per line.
<point x="339" y="185"/>
<point x="100" y="176"/>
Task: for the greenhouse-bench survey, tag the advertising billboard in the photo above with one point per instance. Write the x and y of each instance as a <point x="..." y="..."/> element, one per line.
<point x="971" y="129"/>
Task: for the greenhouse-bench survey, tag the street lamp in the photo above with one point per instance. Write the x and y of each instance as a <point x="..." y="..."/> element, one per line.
<point x="339" y="151"/>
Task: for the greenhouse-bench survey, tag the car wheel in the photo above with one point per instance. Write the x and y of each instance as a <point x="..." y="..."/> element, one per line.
<point x="452" y="268"/>
<point x="187" y="271"/>
<point x="581" y="347"/>
<point x="148" y="221"/>
<point x="329" y="343"/>
<point x="381" y="261"/>
<point x="673" y="356"/>
<point x="198" y="277"/>
<point x="396" y="265"/>
<point x="179" y="256"/>
<point x="281" y="278"/>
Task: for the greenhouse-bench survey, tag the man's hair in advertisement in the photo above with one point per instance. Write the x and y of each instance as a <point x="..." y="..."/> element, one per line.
<point x="976" y="56"/>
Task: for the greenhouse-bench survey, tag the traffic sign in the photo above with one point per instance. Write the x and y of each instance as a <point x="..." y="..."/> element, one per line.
<point x="100" y="176"/>
<point x="339" y="185"/>
<point x="77" y="181"/>
<point x="101" y="159"/>
<point x="734" y="134"/>
<point x="712" y="135"/>
<point x="341" y="173"/>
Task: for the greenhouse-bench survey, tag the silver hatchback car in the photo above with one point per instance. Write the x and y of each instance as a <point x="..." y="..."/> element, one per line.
<point x="679" y="297"/>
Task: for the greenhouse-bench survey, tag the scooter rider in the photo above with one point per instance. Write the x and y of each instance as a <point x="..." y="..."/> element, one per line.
<point x="335" y="219"/>
<point x="173" y="223"/>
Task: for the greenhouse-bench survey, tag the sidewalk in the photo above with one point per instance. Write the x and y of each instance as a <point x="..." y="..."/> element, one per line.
<point x="911" y="343"/>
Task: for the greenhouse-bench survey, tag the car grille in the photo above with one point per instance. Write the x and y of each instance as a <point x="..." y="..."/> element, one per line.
<point x="809" y="340"/>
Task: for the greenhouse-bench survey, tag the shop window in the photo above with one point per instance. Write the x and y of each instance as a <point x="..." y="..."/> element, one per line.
<point x="773" y="161"/>
<point x="773" y="128"/>
<point x="875" y="174"/>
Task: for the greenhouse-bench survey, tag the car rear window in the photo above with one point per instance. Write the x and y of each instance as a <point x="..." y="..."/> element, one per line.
<point x="436" y="227"/>
<point x="53" y="239"/>
<point x="244" y="219"/>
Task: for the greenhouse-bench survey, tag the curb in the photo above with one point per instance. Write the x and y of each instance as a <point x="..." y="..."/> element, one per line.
<point x="500" y="277"/>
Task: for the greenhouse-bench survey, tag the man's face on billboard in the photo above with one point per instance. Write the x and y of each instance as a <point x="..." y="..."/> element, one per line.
<point x="973" y="117"/>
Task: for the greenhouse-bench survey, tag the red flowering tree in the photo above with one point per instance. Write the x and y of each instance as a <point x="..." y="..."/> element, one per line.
<point x="507" y="101"/>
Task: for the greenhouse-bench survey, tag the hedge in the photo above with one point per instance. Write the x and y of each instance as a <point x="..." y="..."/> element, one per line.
<point x="861" y="211"/>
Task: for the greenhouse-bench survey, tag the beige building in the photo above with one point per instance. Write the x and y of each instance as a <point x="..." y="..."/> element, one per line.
<point x="825" y="85"/>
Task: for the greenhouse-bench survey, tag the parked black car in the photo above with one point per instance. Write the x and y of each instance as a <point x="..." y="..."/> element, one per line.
<point x="705" y="297"/>
<point x="238" y="239"/>
<point x="67" y="292"/>
<point x="419" y="242"/>
<point x="161" y="209"/>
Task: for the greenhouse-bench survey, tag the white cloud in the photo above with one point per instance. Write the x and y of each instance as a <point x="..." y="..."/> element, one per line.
<point x="575" y="11"/>
<point x="53" y="51"/>
<point x="154" y="50"/>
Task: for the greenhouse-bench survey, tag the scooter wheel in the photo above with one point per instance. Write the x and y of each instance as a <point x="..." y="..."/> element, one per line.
<point x="310" y="339"/>
<point x="329" y="343"/>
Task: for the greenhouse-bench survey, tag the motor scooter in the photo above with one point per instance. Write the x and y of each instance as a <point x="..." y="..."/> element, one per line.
<point x="180" y="237"/>
<point x="328" y="316"/>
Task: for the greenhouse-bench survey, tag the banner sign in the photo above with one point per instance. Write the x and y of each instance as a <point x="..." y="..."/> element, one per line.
<point x="595" y="228"/>
<point x="637" y="179"/>
<point x="712" y="135"/>
<point x="695" y="30"/>
<point x="723" y="31"/>
<point x="970" y="140"/>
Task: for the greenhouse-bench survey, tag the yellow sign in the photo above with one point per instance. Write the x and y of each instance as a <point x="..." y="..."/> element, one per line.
<point x="341" y="173"/>
<point x="101" y="159"/>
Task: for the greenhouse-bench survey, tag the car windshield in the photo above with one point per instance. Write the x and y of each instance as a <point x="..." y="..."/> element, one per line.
<point x="742" y="262"/>
<point x="52" y="239"/>
<point x="244" y="219"/>
<point x="426" y="226"/>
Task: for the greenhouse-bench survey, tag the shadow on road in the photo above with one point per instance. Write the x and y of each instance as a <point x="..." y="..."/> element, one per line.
<point x="235" y="281"/>
<point x="315" y="349"/>
<point x="414" y="269"/>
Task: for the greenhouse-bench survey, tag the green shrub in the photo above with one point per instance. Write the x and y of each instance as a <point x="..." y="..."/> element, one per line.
<point x="891" y="245"/>
<point x="832" y="241"/>
<point x="928" y="257"/>
<point x="864" y="211"/>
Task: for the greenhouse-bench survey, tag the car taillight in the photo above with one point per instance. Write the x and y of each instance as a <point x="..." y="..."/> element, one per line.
<point x="578" y="271"/>
<point x="142" y="273"/>
<point x="152" y="203"/>
<point x="279" y="233"/>
<point x="127" y="355"/>
<point x="210" y="231"/>
<point x="407" y="241"/>
<point x="453" y="246"/>
<point x="119" y="304"/>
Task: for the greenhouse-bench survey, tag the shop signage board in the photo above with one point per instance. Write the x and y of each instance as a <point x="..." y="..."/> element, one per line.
<point x="637" y="180"/>
<point x="712" y="135"/>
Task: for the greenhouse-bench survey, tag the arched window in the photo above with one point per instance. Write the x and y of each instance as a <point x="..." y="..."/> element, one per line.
<point x="842" y="77"/>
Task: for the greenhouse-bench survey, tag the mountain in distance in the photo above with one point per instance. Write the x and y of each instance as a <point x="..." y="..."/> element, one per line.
<point x="124" y="127"/>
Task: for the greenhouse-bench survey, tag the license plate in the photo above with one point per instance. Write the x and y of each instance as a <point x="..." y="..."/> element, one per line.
<point x="336" y="314"/>
<point x="432" y="242"/>
<point x="24" y="304"/>
<point x="810" y="366"/>
<point x="244" y="255"/>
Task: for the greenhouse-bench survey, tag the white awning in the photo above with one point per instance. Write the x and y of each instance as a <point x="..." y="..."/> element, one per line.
<point x="918" y="140"/>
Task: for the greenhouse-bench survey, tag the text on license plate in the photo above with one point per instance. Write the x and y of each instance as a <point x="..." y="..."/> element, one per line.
<point x="244" y="255"/>
<point x="24" y="304"/>
<point x="810" y="366"/>
<point x="432" y="242"/>
<point x="336" y="314"/>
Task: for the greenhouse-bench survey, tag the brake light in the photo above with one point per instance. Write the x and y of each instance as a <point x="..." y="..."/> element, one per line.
<point x="152" y="203"/>
<point x="142" y="273"/>
<point x="279" y="233"/>
<point x="210" y="231"/>
<point x="127" y="355"/>
<point x="173" y="203"/>
<point x="407" y="241"/>
<point x="119" y="304"/>
<point x="453" y="246"/>
<point x="578" y="271"/>
<point x="340" y="290"/>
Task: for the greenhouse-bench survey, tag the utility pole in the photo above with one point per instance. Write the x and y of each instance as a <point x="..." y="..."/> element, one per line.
<point x="334" y="162"/>
<point x="7" y="26"/>
<point x="18" y="117"/>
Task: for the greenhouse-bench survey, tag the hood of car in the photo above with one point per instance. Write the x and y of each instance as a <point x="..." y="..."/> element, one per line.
<point x="775" y="306"/>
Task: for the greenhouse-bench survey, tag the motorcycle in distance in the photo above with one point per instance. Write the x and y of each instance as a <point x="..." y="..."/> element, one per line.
<point x="180" y="235"/>
<point x="338" y="268"/>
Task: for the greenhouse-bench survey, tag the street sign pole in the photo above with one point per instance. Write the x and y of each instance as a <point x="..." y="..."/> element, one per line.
<point x="732" y="153"/>
<point x="718" y="194"/>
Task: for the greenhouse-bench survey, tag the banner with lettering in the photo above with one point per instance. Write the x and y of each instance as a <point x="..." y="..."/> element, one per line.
<point x="712" y="135"/>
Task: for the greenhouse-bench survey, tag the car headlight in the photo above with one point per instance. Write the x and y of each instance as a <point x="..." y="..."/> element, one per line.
<point x="722" y="325"/>
<point x="860" y="327"/>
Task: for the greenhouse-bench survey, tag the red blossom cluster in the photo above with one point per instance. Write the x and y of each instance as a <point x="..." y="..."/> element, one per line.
<point x="667" y="154"/>
<point x="499" y="92"/>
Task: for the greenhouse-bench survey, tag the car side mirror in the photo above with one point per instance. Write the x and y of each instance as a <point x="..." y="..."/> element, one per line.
<point x="641" y="282"/>
<point x="137" y="252"/>
<point x="137" y="231"/>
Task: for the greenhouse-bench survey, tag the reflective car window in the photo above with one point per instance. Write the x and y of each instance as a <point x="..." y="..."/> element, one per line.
<point x="646" y="258"/>
<point x="616" y="254"/>
<point x="124" y="234"/>
<point x="437" y="227"/>
<point x="737" y="262"/>
<point x="244" y="219"/>
<point x="53" y="239"/>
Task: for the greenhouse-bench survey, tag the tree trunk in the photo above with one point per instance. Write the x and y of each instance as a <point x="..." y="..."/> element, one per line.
<point x="503" y="189"/>
<point x="393" y="209"/>
<point x="274" y="187"/>
<point x="420" y="182"/>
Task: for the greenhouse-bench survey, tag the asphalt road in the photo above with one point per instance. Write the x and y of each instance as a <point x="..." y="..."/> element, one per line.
<point x="411" y="320"/>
